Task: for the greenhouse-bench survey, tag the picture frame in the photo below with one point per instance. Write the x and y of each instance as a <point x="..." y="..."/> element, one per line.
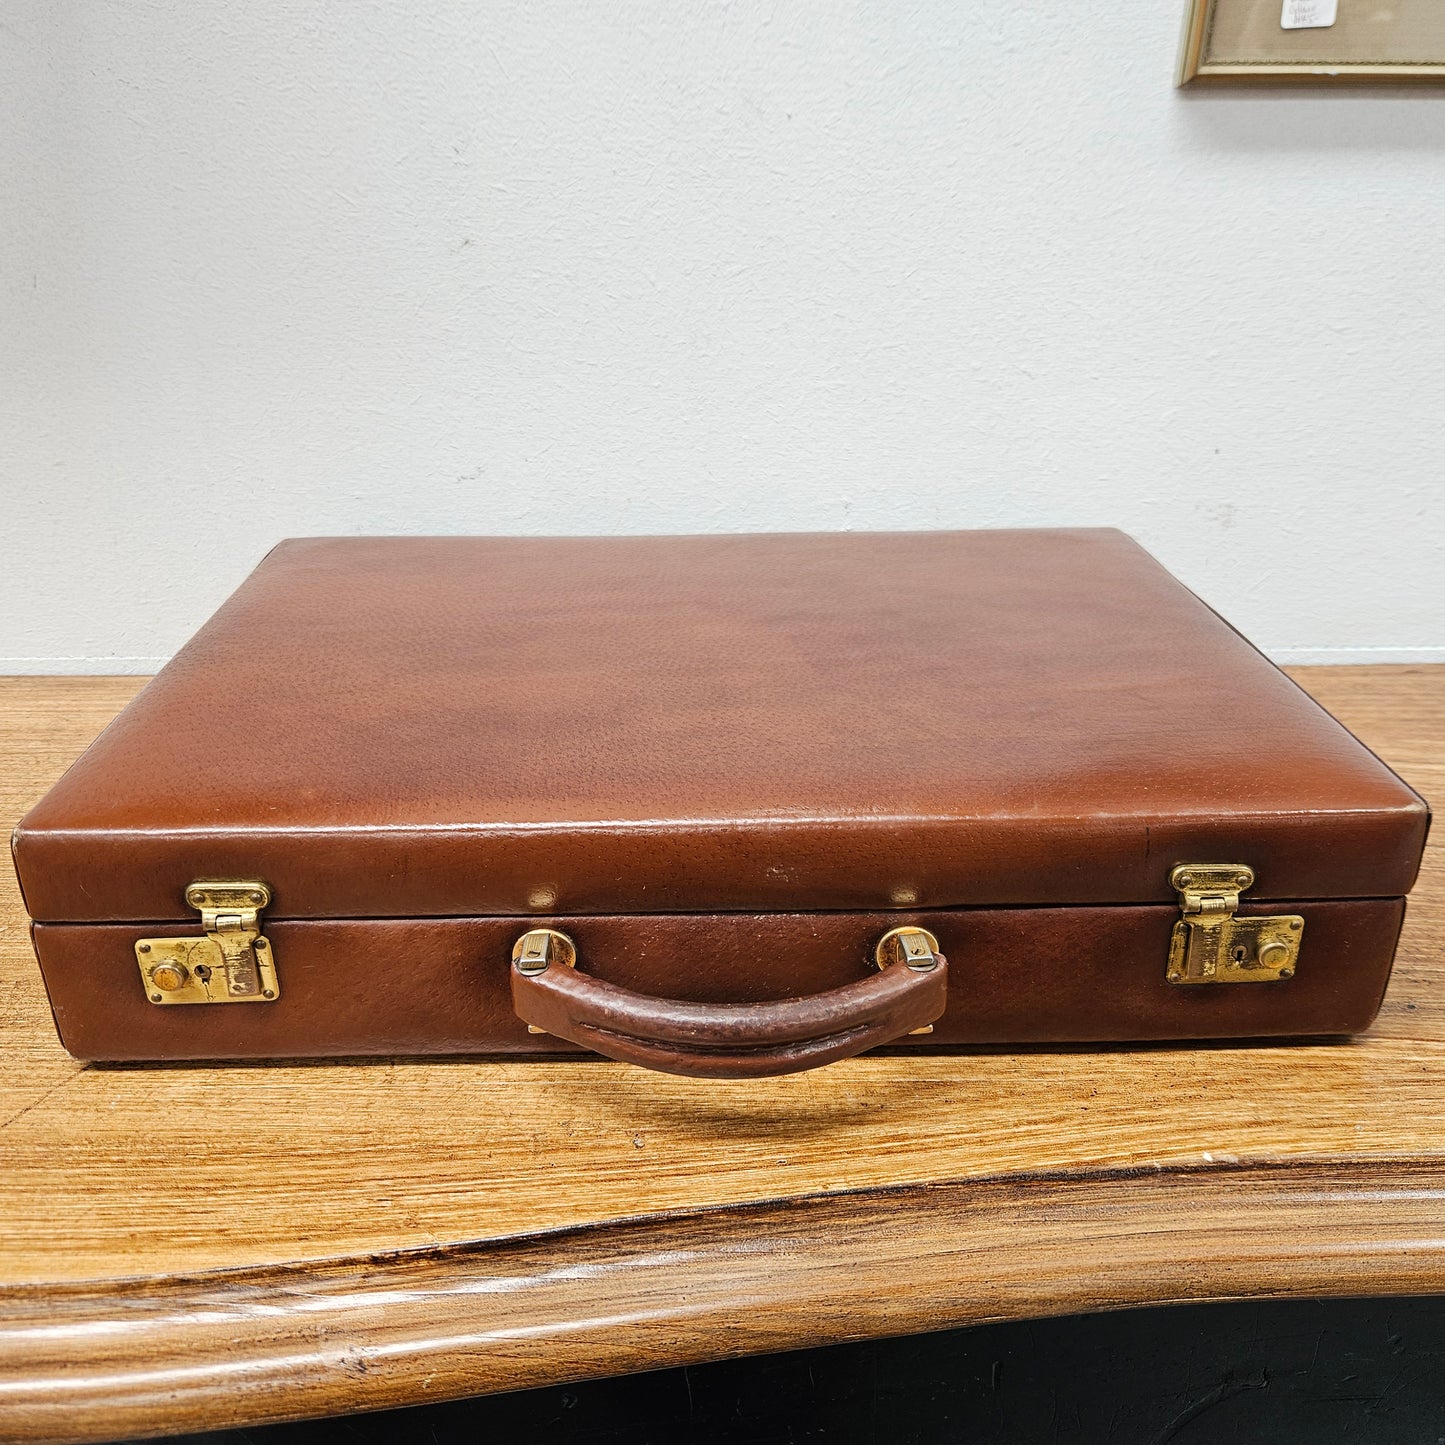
<point x="1244" y="42"/>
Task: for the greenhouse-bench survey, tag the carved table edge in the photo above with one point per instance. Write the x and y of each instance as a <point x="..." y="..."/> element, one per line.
<point x="97" y="1360"/>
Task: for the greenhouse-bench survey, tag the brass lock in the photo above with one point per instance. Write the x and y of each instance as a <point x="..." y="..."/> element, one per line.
<point x="230" y="963"/>
<point x="1211" y="945"/>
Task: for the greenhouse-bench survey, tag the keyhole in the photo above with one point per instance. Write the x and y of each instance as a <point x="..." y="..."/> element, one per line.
<point x="1240" y="953"/>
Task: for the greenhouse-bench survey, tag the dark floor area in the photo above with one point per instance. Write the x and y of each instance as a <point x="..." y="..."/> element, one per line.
<point x="1367" y="1372"/>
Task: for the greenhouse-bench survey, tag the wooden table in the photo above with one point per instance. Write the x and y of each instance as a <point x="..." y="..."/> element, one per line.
<point x="196" y="1247"/>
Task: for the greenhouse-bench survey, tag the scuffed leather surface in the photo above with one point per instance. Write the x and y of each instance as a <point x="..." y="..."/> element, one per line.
<point x="442" y="986"/>
<point x="469" y="727"/>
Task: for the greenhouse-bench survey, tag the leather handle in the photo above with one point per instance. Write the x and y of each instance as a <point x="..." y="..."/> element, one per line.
<point x="726" y="1040"/>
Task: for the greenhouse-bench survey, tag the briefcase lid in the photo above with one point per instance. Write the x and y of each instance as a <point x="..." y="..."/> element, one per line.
<point x="412" y="727"/>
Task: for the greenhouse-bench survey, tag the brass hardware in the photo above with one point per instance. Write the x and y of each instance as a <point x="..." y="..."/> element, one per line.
<point x="232" y="963"/>
<point x="915" y="948"/>
<point x="1211" y="945"/>
<point x="536" y="950"/>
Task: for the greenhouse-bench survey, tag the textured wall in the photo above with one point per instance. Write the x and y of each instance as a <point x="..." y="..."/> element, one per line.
<point x="283" y="268"/>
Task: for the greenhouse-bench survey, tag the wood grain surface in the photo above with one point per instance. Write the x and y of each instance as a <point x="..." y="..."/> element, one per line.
<point x="191" y="1247"/>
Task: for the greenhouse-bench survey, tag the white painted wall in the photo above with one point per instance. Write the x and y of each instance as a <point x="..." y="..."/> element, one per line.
<point x="283" y="268"/>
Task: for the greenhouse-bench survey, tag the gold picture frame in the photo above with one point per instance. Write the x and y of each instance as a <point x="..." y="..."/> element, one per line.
<point x="1243" y="42"/>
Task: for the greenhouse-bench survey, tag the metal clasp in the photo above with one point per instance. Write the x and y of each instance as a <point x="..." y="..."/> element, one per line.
<point x="1210" y="944"/>
<point x="231" y="963"/>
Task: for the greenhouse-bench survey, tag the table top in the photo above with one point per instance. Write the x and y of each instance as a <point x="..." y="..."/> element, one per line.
<point x="196" y="1247"/>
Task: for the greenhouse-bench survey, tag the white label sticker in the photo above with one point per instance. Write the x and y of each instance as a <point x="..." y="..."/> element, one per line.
<point x="1308" y="14"/>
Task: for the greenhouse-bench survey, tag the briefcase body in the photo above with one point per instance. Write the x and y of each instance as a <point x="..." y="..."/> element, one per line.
<point x="722" y="805"/>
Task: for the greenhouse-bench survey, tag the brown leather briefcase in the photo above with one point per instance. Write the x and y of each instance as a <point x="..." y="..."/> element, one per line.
<point x="721" y="805"/>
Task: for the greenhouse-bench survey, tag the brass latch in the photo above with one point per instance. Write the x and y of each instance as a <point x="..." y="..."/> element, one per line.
<point x="1211" y="945"/>
<point x="232" y="963"/>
